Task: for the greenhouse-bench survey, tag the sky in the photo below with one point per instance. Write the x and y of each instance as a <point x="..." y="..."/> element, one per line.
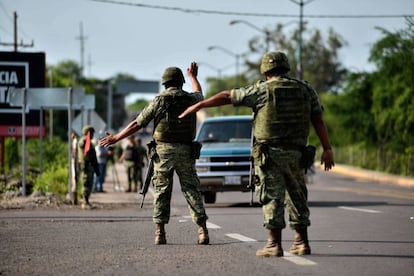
<point x="142" y="41"/>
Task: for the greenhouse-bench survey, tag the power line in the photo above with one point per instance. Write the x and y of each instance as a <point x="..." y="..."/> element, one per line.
<point x="202" y="11"/>
<point x="12" y="20"/>
<point x="15" y="43"/>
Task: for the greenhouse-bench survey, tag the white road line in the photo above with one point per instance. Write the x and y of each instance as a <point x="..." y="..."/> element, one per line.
<point x="209" y="224"/>
<point x="359" y="209"/>
<point x="240" y="237"/>
<point x="296" y="259"/>
<point x="212" y="226"/>
<point x="287" y="256"/>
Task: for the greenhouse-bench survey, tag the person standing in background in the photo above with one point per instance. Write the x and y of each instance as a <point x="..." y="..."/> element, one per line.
<point x="142" y="154"/>
<point x="103" y="155"/>
<point x="130" y="159"/>
<point x="88" y="164"/>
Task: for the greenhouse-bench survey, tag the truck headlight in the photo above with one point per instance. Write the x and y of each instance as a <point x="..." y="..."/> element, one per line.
<point x="199" y="164"/>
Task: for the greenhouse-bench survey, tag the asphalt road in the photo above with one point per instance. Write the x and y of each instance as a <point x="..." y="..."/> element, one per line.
<point x="359" y="227"/>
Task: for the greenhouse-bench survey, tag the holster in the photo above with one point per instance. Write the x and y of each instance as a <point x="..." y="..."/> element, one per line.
<point x="308" y="157"/>
<point x="260" y="153"/>
<point x="195" y="149"/>
<point x="152" y="150"/>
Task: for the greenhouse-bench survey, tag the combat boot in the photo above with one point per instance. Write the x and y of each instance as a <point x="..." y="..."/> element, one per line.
<point x="86" y="205"/>
<point x="129" y="188"/>
<point x="203" y="237"/>
<point x="273" y="246"/>
<point x="160" y="234"/>
<point x="300" y="245"/>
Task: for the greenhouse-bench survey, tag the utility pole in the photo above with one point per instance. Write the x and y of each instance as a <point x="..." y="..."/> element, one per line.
<point x="82" y="39"/>
<point x="15" y="44"/>
<point x="300" y="66"/>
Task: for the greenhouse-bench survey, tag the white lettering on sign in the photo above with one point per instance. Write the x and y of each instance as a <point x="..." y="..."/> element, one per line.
<point x="7" y="77"/>
<point x="3" y="94"/>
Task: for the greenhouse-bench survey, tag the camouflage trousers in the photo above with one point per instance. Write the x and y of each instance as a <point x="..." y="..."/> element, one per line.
<point x="279" y="172"/>
<point x="86" y="179"/>
<point x="132" y="172"/>
<point x="176" y="157"/>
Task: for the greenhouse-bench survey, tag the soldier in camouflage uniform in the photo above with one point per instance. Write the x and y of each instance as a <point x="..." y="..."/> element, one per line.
<point x="88" y="164"/>
<point x="142" y="154"/>
<point x="284" y="108"/>
<point x="173" y="151"/>
<point x="130" y="159"/>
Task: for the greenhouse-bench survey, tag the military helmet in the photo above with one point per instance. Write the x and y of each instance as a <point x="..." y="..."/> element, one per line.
<point x="274" y="60"/>
<point x="172" y="73"/>
<point x="87" y="128"/>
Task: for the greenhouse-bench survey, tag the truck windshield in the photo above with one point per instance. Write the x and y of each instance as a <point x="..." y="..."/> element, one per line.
<point x="226" y="131"/>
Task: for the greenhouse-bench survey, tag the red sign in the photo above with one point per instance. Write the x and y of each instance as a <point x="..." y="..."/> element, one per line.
<point x="16" y="131"/>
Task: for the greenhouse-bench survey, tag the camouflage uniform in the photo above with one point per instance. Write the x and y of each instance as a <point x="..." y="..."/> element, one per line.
<point x="142" y="153"/>
<point x="131" y="164"/>
<point x="88" y="164"/>
<point x="173" y="153"/>
<point x="283" y="107"/>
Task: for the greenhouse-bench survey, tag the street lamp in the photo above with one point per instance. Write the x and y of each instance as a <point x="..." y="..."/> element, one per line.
<point x="218" y="70"/>
<point x="237" y="56"/>
<point x="264" y="31"/>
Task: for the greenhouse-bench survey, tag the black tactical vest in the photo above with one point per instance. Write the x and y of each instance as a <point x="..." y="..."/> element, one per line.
<point x="170" y="129"/>
<point x="285" y="117"/>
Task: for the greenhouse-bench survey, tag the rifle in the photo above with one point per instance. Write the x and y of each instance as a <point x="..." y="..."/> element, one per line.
<point x="251" y="176"/>
<point x="148" y="177"/>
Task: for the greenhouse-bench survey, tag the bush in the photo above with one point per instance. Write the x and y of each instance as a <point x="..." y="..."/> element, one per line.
<point x="54" y="180"/>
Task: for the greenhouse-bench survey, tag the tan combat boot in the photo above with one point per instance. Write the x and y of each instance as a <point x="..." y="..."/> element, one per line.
<point x="300" y="245"/>
<point x="86" y="205"/>
<point x="273" y="246"/>
<point x="160" y="234"/>
<point x="203" y="237"/>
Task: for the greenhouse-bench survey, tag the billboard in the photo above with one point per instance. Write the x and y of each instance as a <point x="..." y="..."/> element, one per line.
<point x="20" y="70"/>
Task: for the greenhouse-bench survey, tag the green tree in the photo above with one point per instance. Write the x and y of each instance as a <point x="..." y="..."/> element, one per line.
<point x="373" y="114"/>
<point x="353" y="120"/>
<point x="217" y="85"/>
<point x="137" y="106"/>
<point x="393" y="89"/>
<point x="320" y="59"/>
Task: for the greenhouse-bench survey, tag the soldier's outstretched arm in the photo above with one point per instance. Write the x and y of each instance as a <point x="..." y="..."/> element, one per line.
<point x="219" y="99"/>
<point x="110" y="139"/>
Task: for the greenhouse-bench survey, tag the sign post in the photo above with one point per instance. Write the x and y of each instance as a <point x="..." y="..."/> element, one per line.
<point x="51" y="98"/>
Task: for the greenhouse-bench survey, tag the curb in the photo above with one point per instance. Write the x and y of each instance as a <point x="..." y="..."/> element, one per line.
<point x="373" y="175"/>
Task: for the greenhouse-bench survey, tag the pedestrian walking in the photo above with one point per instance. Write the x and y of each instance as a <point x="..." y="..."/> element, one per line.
<point x="172" y="149"/>
<point x="283" y="108"/>
<point x="88" y="164"/>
